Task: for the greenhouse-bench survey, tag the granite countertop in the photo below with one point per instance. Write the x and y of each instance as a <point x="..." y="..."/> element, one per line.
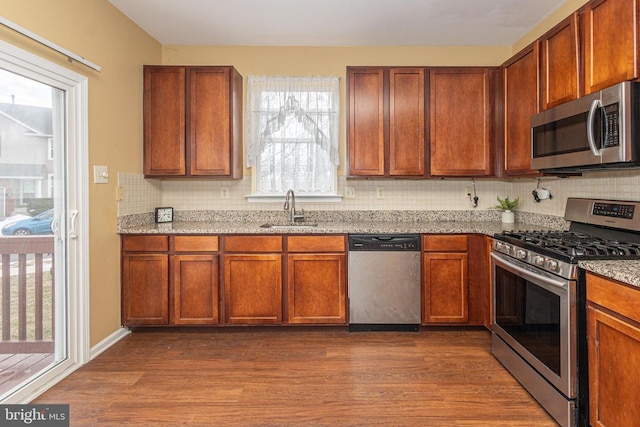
<point x="362" y="227"/>
<point x="388" y="222"/>
<point x="626" y="271"/>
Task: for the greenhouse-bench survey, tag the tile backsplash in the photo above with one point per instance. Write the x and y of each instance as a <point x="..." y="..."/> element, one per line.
<point x="141" y="195"/>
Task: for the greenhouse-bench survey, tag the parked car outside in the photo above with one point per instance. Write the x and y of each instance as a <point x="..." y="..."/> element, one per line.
<point x="12" y="219"/>
<point x="39" y="224"/>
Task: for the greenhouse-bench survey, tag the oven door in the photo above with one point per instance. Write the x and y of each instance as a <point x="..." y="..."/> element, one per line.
<point x="535" y="314"/>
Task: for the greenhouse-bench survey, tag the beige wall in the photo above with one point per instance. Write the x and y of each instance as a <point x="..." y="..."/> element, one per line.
<point x="99" y="32"/>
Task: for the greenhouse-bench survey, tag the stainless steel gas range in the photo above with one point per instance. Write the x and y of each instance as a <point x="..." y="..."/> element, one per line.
<point x="539" y="320"/>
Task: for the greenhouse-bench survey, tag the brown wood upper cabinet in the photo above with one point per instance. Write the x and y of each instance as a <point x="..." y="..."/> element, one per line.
<point x="192" y="122"/>
<point x="520" y="80"/>
<point x="559" y="76"/>
<point x="610" y="36"/>
<point x="460" y="121"/>
<point x="613" y="326"/>
<point x="386" y="121"/>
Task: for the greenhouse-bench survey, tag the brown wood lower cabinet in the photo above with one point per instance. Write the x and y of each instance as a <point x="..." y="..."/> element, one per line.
<point x="446" y="295"/>
<point x="445" y="287"/>
<point x="613" y="324"/>
<point x="316" y="279"/>
<point x="145" y="289"/>
<point x="196" y="280"/>
<point x="195" y="289"/>
<point x="253" y="279"/>
<point x="253" y="288"/>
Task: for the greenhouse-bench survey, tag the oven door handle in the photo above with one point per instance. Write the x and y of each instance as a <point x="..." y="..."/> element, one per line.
<point x="516" y="267"/>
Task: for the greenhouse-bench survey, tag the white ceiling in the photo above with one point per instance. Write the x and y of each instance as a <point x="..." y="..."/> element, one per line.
<point x="337" y="22"/>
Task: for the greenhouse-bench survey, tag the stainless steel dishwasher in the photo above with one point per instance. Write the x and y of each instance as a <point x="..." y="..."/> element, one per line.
<point x="384" y="282"/>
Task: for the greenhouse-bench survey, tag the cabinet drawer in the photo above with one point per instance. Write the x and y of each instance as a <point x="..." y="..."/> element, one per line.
<point x="315" y="244"/>
<point x="444" y="243"/>
<point x="145" y="243"/>
<point x="618" y="297"/>
<point x="195" y="243"/>
<point x="253" y="243"/>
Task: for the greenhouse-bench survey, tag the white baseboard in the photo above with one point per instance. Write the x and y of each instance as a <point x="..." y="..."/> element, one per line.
<point x="97" y="349"/>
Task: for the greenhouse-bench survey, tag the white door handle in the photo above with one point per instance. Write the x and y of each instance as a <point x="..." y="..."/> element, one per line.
<point x="72" y="224"/>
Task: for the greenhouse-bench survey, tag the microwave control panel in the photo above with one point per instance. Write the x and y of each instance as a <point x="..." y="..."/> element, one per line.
<point x="611" y="125"/>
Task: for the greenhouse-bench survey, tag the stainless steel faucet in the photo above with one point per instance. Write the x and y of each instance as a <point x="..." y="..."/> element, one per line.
<point x="293" y="215"/>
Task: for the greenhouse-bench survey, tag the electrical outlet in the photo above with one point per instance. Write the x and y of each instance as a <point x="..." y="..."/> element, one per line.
<point x="119" y="194"/>
<point x="379" y="192"/>
<point x="349" y="192"/>
<point x="224" y="193"/>
<point x="468" y="191"/>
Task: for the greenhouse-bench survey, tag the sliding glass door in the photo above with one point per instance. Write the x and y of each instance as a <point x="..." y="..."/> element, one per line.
<point x="43" y="322"/>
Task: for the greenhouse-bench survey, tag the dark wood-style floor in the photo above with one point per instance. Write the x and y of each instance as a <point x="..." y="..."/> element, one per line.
<point x="298" y="377"/>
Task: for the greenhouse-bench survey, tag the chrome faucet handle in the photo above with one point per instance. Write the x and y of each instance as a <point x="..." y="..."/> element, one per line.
<point x="298" y="215"/>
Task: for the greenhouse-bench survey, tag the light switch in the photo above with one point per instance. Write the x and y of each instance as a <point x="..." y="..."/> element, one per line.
<point x="100" y="175"/>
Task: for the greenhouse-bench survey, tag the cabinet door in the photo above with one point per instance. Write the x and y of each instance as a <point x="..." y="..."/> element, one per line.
<point x="164" y="121"/>
<point x="445" y="288"/>
<point x="195" y="289"/>
<point x="559" y="76"/>
<point x="406" y="122"/>
<point x="209" y="121"/>
<point x="317" y="288"/>
<point x="145" y="289"/>
<point x="614" y="377"/>
<point x="520" y="79"/>
<point x="610" y="43"/>
<point x="253" y="288"/>
<point x="366" y="122"/>
<point x="460" y="122"/>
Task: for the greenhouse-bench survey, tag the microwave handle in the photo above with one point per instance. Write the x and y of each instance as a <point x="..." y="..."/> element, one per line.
<point x="590" y="121"/>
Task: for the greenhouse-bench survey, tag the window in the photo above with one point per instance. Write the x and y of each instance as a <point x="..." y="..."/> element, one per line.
<point x="292" y="134"/>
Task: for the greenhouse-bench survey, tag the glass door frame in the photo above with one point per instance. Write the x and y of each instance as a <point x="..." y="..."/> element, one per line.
<point x="73" y="224"/>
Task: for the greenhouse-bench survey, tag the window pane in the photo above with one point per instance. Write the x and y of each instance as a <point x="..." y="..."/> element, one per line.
<point x="295" y="129"/>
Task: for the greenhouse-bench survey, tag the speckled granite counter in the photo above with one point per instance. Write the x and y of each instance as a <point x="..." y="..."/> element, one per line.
<point x="248" y="222"/>
<point x="362" y="222"/>
<point x="377" y="227"/>
<point x="624" y="271"/>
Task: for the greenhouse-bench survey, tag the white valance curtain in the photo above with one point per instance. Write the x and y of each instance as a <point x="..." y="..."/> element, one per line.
<point x="292" y="132"/>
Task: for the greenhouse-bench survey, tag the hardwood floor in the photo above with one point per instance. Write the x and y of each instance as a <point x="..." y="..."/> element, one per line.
<point x="298" y="377"/>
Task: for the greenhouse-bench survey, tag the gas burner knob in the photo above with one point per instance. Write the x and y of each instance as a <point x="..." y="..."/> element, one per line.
<point x="538" y="260"/>
<point x="503" y="247"/>
<point x="552" y="265"/>
<point x="521" y="254"/>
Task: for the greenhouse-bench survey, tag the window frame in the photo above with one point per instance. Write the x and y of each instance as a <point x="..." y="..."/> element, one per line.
<point x="320" y="196"/>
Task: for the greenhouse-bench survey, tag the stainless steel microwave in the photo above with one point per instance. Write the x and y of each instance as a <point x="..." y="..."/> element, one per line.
<point x="600" y="130"/>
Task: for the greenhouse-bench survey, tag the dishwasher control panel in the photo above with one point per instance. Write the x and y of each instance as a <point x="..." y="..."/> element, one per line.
<point x="384" y="242"/>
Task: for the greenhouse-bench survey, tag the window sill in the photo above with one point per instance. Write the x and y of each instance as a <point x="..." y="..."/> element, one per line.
<point x="324" y="198"/>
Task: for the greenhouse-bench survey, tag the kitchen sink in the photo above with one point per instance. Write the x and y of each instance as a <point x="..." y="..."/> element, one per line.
<point x="290" y="225"/>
